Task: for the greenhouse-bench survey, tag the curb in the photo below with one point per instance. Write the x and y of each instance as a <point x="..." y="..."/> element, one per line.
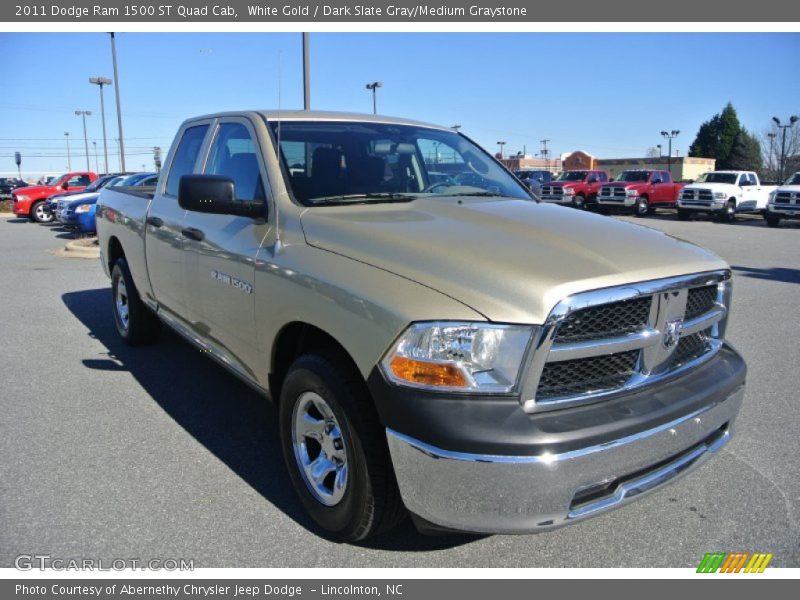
<point x="74" y="249"/>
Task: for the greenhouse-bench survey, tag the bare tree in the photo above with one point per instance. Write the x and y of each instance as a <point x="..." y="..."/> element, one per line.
<point x="771" y="141"/>
<point x="652" y="152"/>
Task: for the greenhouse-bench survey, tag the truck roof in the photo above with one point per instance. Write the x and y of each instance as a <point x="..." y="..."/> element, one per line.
<point x="320" y="115"/>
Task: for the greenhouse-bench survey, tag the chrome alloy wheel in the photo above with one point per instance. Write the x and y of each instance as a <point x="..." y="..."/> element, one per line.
<point x="40" y="215"/>
<point x="319" y="448"/>
<point x="121" y="304"/>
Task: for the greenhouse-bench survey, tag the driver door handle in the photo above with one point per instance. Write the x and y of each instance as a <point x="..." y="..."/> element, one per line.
<point x="155" y="221"/>
<point x="193" y="234"/>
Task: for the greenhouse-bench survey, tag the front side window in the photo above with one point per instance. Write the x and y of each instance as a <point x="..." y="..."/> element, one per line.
<point x="330" y="162"/>
<point x="233" y="154"/>
<point x="185" y="157"/>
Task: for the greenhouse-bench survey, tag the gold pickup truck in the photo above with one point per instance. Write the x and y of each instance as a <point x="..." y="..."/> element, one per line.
<point x="442" y="345"/>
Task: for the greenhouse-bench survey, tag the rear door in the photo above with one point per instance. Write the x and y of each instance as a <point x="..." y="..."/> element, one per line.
<point x="220" y="265"/>
<point x="164" y="222"/>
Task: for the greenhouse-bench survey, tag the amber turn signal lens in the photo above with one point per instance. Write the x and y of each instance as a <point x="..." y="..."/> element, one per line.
<point x="427" y="373"/>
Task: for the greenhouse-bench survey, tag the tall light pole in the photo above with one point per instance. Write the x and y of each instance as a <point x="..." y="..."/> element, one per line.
<point x="374" y="86"/>
<point x="670" y="135"/>
<point x="772" y="137"/>
<point x="501" y="144"/>
<point x="546" y="152"/>
<point x="100" y="82"/>
<point x="306" y="74"/>
<point x="83" y="114"/>
<point x="792" y="120"/>
<point x="119" y="106"/>
<point x="69" y="160"/>
<point x="96" y="159"/>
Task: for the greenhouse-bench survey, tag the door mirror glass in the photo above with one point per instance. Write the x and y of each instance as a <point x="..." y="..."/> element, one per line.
<point x="215" y="194"/>
<point x="656" y="180"/>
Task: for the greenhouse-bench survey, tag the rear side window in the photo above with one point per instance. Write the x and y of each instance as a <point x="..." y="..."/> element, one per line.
<point x="665" y="177"/>
<point x="185" y="157"/>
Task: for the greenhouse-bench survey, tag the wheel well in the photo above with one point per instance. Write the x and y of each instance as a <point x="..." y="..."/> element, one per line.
<point x="114" y="252"/>
<point x="297" y="339"/>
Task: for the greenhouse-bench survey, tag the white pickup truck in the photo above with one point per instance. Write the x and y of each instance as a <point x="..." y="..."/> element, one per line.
<point x="784" y="202"/>
<point x="724" y="194"/>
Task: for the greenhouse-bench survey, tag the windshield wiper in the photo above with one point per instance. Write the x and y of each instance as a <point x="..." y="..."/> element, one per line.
<point x="363" y="198"/>
<point x="482" y="194"/>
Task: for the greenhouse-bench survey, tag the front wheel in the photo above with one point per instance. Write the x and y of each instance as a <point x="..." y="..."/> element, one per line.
<point x="772" y="220"/>
<point x="39" y="214"/>
<point x="136" y="324"/>
<point x="642" y="208"/>
<point x="728" y="214"/>
<point x="579" y="202"/>
<point x="335" y="450"/>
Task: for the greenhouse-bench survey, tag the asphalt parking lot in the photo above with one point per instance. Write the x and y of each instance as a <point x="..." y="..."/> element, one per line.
<point x="108" y="452"/>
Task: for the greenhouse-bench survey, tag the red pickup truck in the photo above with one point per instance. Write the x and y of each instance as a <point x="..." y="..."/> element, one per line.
<point x="574" y="188"/>
<point x="640" y="190"/>
<point x="29" y="201"/>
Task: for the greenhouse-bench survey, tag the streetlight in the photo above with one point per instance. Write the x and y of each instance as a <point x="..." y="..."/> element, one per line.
<point x="792" y="120"/>
<point x="374" y="86"/>
<point x="100" y="82"/>
<point x="670" y="135"/>
<point x="69" y="160"/>
<point x="84" y="114"/>
<point x="772" y="137"/>
<point x="119" y="107"/>
<point x="96" y="160"/>
<point x="660" y="155"/>
<point x="501" y="144"/>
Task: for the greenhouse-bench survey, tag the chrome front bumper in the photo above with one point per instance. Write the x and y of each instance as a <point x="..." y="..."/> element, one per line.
<point x="627" y="202"/>
<point x="525" y="494"/>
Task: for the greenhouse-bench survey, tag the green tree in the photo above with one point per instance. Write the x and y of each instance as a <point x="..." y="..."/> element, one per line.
<point x="746" y="154"/>
<point x="719" y="138"/>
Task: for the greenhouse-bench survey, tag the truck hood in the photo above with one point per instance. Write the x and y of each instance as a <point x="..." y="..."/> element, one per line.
<point x="788" y="188"/>
<point x="36" y="190"/>
<point x="711" y="186"/>
<point x="626" y="184"/>
<point x="510" y="260"/>
<point x="563" y="183"/>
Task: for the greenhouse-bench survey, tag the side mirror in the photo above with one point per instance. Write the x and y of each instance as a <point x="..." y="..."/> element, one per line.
<point x="592" y="180"/>
<point x="65" y="185"/>
<point x="656" y="181"/>
<point x="215" y="195"/>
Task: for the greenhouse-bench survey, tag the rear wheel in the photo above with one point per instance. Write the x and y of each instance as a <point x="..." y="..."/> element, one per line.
<point x="335" y="450"/>
<point x="642" y="208"/>
<point x="772" y="220"/>
<point x="136" y="324"/>
<point x="39" y="214"/>
<point x="684" y="215"/>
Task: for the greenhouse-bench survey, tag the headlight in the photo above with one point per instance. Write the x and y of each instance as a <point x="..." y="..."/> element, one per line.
<point x="23" y="198"/>
<point x="568" y="191"/>
<point x="458" y="356"/>
<point x="631" y="192"/>
<point x="83" y="208"/>
<point x="771" y="198"/>
<point x="720" y="195"/>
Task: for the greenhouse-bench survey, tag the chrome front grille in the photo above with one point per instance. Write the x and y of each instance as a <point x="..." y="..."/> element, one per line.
<point x="612" y="192"/>
<point x="606" y="320"/>
<point x="787" y="198"/>
<point x="593" y="374"/>
<point x="597" y="343"/>
<point x="552" y="190"/>
<point x="695" y="195"/>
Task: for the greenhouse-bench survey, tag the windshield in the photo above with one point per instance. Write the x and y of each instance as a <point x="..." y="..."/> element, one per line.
<point x="572" y="176"/>
<point x="793" y="180"/>
<point x="331" y="162"/>
<point x="133" y="179"/>
<point x="717" y="178"/>
<point x="633" y="176"/>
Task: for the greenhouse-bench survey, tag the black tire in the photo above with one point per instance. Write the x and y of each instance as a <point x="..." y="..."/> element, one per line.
<point x="772" y="220"/>
<point x="579" y="202"/>
<point x="728" y="214"/>
<point x="38" y="214"/>
<point x="603" y="210"/>
<point x="642" y="207"/>
<point x="684" y="215"/>
<point x="371" y="500"/>
<point x="139" y="326"/>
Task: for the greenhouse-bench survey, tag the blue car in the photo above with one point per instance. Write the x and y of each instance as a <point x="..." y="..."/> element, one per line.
<point x="81" y="214"/>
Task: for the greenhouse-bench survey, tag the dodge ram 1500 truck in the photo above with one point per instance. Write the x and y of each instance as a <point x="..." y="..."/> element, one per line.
<point x="641" y="191"/>
<point x="485" y="361"/>
<point x="575" y="188"/>
<point x="30" y="201"/>
<point x="784" y="202"/>
<point x="723" y="194"/>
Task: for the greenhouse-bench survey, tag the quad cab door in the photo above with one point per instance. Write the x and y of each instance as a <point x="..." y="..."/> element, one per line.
<point x="220" y="250"/>
<point x="164" y="223"/>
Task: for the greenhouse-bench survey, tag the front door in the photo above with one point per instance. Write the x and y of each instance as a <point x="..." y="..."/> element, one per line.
<point x="220" y="254"/>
